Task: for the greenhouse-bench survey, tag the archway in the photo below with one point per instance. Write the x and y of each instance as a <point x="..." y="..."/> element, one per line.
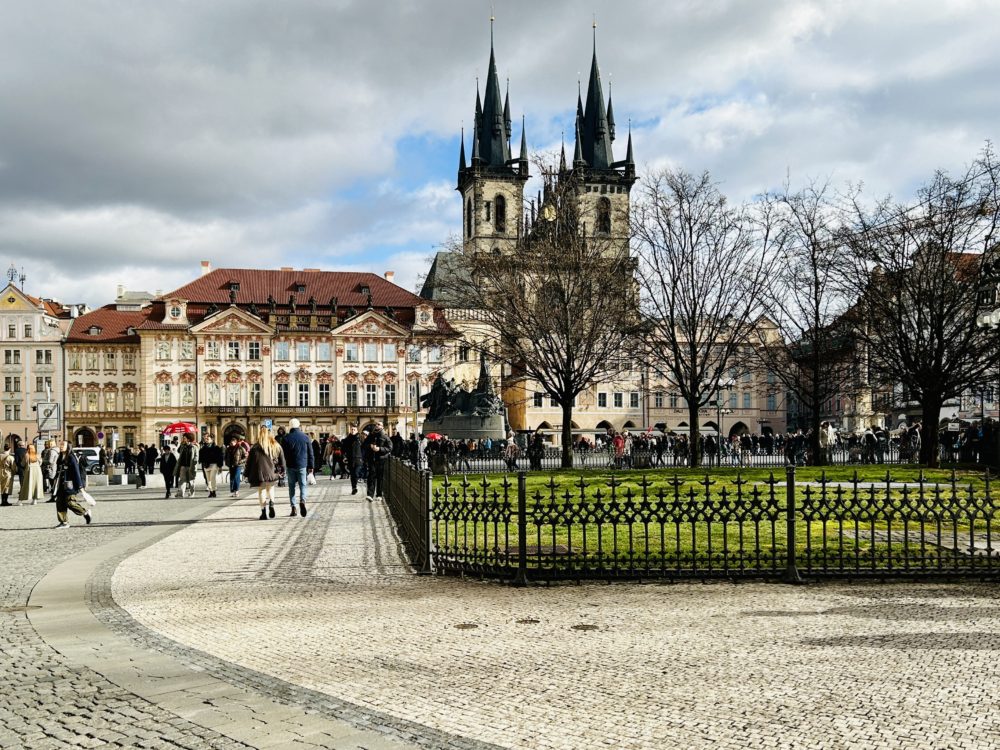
<point x="630" y="425"/>
<point x="85" y="437"/>
<point x="233" y="429"/>
<point x="738" y="429"/>
<point x="604" y="425"/>
<point x="710" y="426"/>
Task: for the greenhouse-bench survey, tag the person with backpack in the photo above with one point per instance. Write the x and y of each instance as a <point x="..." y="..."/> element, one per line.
<point x="187" y="464"/>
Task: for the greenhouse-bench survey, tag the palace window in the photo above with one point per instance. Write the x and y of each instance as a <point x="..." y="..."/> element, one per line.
<point x="74" y="360"/>
<point x="232" y="394"/>
<point x="255" y="394"/>
<point x="110" y="362"/>
<point x="187" y="394"/>
<point x="619" y="400"/>
<point x="323" y="352"/>
<point x="302" y="351"/>
<point x="303" y="394"/>
<point x="233" y="351"/>
<point x="658" y="400"/>
<point x="747" y="400"/>
<point x="371" y="394"/>
<point x="91" y="359"/>
<point x="414" y="394"/>
<point x="351" y="353"/>
<point x="371" y="352"/>
<point x="772" y="402"/>
<point x="27" y="331"/>
<point x="674" y="398"/>
<point x="12" y="331"/>
<point x="324" y="394"/>
<point x="212" y="350"/>
<point x="282" y="394"/>
<point x="128" y="361"/>
<point x="602" y="400"/>
<point x="128" y="401"/>
<point x="163" y="394"/>
<point x="281" y="351"/>
<point x="213" y="393"/>
<point x="413" y="354"/>
<point x="352" y="394"/>
<point x="388" y="352"/>
<point x="92" y="401"/>
<point x="633" y="400"/>
<point x="434" y="355"/>
<point x="253" y="351"/>
<point x="733" y="401"/>
<point x="187" y="349"/>
<point x="12" y="356"/>
<point x="110" y="401"/>
<point x="74" y="400"/>
<point x="162" y="351"/>
<point x="390" y="395"/>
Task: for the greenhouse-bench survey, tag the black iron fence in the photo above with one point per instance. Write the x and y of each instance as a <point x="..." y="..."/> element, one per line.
<point x="497" y="461"/>
<point x="525" y="527"/>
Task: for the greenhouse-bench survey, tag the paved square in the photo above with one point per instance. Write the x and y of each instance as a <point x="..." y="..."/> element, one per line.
<point x="326" y="603"/>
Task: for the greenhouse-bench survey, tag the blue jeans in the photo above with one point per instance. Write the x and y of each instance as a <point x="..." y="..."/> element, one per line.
<point x="296" y="477"/>
<point x="234" y="478"/>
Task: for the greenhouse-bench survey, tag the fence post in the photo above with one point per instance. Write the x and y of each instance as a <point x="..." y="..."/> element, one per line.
<point x="426" y="522"/>
<point x="521" y="579"/>
<point x="791" y="570"/>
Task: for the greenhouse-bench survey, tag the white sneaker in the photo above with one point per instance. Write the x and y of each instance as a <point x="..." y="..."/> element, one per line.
<point x="62" y="525"/>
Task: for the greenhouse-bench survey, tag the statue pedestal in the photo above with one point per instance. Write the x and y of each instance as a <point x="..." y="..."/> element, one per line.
<point x="462" y="427"/>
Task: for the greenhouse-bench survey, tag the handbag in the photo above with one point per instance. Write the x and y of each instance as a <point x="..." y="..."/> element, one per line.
<point x="88" y="498"/>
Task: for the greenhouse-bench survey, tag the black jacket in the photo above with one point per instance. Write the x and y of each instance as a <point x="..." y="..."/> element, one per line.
<point x="211" y="455"/>
<point x="376" y="439"/>
<point x="350" y="446"/>
<point x="168" y="462"/>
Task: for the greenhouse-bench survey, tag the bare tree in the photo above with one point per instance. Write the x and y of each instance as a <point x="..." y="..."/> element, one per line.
<point x="919" y="277"/>
<point x="703" y="268"/>
<point x="559" y="306"/>
<point x="812" y="356"/>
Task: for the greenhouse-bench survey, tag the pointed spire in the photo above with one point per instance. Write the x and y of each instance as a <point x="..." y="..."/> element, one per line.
<point x="562" y="154"/>
<point x="611" y="115"/>
<point x="595" y="131"/>
<point x="479" y="103"/>
<point x="629" y="160"/>
<point x="579" y="101"/>
<point x="492" y="133"/>
<point x="506" y="111"/>
<point x="476" y="158"/>
<point x="578" y="150"/>
<point x="462" y="166"/>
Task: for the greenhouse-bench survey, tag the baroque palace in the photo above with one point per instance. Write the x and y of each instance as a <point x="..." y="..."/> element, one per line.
<point x="241" y="347"/>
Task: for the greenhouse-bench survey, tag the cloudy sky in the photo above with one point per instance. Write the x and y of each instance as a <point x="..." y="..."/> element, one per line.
<point x="138" y="137"/>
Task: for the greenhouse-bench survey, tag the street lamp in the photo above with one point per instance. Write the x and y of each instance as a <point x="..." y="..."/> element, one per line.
<point x="719" y="411"/>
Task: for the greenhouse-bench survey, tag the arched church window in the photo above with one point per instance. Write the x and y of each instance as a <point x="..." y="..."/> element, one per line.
<point x="501" y="213"/>
<point x="604" y="216"/>
<point x="468" y="218"/>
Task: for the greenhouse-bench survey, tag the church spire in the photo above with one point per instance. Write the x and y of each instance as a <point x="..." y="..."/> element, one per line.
<point x="492" y="132"/>
<point x="578" y="160"/>
<point x="462" y="166"/>
<point x="596" y="133"/>
<point x="611" y="114"/>
<point x="562" y="154"/>
<point x="506" y="111"/>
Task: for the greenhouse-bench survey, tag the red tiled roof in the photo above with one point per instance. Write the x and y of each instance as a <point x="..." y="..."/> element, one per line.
<point x="51" y="308"/>
<point x="114" y="325"/>
<point x="256" y="285"/>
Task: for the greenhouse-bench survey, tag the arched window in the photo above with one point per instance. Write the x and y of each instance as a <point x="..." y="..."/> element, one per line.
<point x="500" y="208"/>
<point x="604" y="216"/>
<point x="468" y="218"/>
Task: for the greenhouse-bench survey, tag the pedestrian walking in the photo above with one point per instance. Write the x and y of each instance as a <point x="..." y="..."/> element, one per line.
<point x="376" y="449"/>
<point x="50" y="456"/>
<point x="69" y="483"/>
<point x="236" y="459"/>
<point x="351" y="449"/>
<point x="168" y="465"/>
<point x="8" y="468"/>
<point x="262" y="469"/>
<point x="187" y="463"/>
<point x="298" y="463"/>
<point x="140" y="465"/>
<point x="211" y="458"/>
<point x="33" y="484"/>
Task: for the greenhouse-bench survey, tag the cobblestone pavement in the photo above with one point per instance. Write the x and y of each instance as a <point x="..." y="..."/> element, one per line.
<point x="326" y="604"/>
<point x="56" y="659"/>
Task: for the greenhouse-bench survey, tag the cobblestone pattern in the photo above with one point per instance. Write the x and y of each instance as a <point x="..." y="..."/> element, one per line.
<point x="46" y="701"/>
<point x="630" y="666"/>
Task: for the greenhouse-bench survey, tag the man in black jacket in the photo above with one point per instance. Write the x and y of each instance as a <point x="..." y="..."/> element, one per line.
<point x="376" y="449"/>
<point x="350" y="446"/>
<point x="211" y="458"/>
<point x="69" y="482"/>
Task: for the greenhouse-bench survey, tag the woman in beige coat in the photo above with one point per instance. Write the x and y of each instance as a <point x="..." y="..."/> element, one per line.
<point x="7" y="472"/>
<point x="33" y="485"/>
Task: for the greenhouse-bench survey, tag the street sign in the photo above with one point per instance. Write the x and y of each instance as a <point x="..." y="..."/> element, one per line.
<point x="267" y="423"/>
<point x="100" y="436"/>
<point x="49" y="417"/>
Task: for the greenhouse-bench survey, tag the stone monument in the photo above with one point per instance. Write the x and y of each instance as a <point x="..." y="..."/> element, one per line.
<point x="462" y="414"/>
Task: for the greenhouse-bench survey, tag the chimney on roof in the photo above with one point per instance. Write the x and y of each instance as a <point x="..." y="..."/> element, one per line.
<point x="206" y="267"/>
<point x="310" y="270"/>
<point x="390" y="275"/>
<point x="121" y="291"/>
<point x="286" y="268"/>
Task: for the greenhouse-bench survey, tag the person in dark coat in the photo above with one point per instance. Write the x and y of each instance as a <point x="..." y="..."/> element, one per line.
<point x="211" y="457"/>
<point x="168" y="463"/>
<point x="298" y="463"/>
<point x="317" y="454"/>
<point x="350" y="446"/>
<point x="69" y="482"/>
<point x="398" y="444"/>
<point x="376" y="448"/>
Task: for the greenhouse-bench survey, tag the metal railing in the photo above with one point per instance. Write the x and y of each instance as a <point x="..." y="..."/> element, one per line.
<point x="520" y="529"/>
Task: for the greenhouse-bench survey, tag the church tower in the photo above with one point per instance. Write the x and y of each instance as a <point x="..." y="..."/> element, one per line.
<point x="491" y="182"/>
<point x="602" y="185"/>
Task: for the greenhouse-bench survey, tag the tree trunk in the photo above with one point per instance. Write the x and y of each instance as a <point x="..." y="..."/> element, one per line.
<point x="930" y="417"/>
<point x="694" y="435"/>
<point x="567" y="433"/>
<point x="818" y="459"/>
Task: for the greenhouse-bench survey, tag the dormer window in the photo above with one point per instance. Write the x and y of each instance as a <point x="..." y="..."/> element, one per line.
<point x="175" y="312"/>
<point x="94" y="330"/>
<point x="365" y="289"/>
<point x="131" y="331"/>
<point x="300" y="288"/>
<point x="234" y="286"/>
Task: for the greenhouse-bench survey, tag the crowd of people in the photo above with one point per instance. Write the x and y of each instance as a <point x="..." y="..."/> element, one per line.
<point x="52" y="475"/>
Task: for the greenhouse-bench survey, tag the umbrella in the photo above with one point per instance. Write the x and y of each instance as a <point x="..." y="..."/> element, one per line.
<point x="433" y="436"/>
<point x="179" y="428"/>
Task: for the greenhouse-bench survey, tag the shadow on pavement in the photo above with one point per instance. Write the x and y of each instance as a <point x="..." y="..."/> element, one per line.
<point x="912" y="641"/>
